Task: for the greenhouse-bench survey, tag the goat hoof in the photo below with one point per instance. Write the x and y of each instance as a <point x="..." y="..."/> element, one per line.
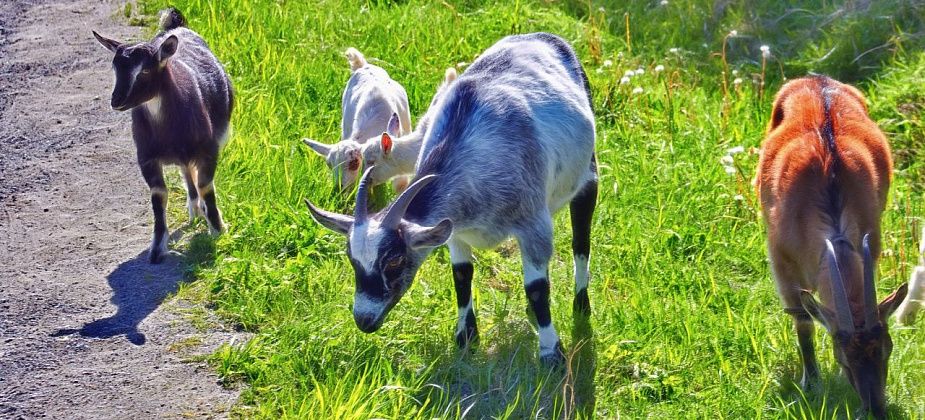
<point x="553" y="358"/>
<point x="216" y="231"/>
<point x="809" y="384"/>
<point x="468" y="338"/>
<point x="155" y="256"/>
<point x="582" y="304"/>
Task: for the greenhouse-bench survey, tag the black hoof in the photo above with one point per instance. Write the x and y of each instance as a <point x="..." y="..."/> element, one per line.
<point x="155" y="257"/>
<point x="468" y="338"/>
<point x="554" y="359"/>
<point x="582" y="305"/>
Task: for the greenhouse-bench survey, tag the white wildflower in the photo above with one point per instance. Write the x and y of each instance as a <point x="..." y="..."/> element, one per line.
<point x="733" y="33"/>
<point x="664" y="2"/>
<point x="737" y="81"/>
<point x="727" y="160"/>
<point x="600" y="70"/>
<point x="738" y="197"/>
<point x="601" y="9"/>
<point x="640" y="71"/>
<point x="675" y="50"/>
<point x="629" y="73"/>
<point x="731" y="170"/>
<point x="637" y="91"/>
<point x="624" y="80"/>
<point x="765" y="51"/>
<point x="735" y="72"/>
<point x="608" y="63"/>
<point x="735" y="150"/>
<point x="659" y="68"/>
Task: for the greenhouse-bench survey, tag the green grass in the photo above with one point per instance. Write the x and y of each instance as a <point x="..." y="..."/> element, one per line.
<point x="686" y="322"/>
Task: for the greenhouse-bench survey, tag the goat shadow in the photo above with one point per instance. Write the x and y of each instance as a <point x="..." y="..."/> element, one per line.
<point x="138" y="288"/>
<point x="482" y="381"/>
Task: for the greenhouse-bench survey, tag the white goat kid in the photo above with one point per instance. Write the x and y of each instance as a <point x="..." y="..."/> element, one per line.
<point x="906" y="312"/>
<point x="394" y="155"/>
<point x="369" y="101"/>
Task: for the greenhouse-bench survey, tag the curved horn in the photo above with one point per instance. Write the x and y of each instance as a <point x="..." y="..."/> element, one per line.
<point x="871" y="312"/>
<point x="361" y="211"/>
<point x="839" y="295"/>
<point x="397" y="210"/>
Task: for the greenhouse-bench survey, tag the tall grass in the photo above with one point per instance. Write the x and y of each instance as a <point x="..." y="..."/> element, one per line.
<point x="686" y="322"/>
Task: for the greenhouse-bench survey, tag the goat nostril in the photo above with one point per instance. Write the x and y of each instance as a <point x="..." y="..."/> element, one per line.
<point x="366" y="323"/>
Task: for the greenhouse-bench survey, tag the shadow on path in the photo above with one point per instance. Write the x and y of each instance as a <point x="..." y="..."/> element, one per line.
<point x="139" y="288"/>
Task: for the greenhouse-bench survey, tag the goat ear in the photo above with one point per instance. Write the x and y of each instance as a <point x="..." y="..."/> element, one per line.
<point x="817" y="311"/>
<point x="891" y="302"/>
<point x="110" y="44"/>
<point x="394" y="127"/>
<point x="168" y="48"/>
<point x="430" y="237"/>
<point x="339" y="223"/>
<point x="319" y="148"/>
<point x="386" y="143"/>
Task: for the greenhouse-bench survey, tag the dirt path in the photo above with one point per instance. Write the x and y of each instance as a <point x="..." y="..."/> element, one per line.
<point x="83" y="332"/>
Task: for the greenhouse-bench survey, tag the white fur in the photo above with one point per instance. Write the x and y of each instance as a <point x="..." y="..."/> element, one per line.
<point x="460" y="252"/>
<point x="153" y="107"/>
<point x="906" y="312"/>
<point x="368" y="102"/>
<point x="461" y="321"/>
<point x="364" y="244"/>
<point x="548" y="340"/>
<point x="582" y="273"/>
<point x="195" y="208"/>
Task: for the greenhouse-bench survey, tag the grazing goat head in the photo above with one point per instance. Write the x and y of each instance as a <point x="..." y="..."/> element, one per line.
<point x="343" y="158"/>
<point x="862" y="351"/>
<point x="139" y="69"/>
<point x="385" y="250"/>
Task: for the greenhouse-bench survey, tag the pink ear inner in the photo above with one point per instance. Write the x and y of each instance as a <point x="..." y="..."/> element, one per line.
<point x="386" y="143"/>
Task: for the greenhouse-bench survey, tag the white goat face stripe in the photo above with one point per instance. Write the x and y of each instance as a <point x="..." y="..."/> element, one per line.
<point x="364" y="244"/>
<point x="135" y="71"/>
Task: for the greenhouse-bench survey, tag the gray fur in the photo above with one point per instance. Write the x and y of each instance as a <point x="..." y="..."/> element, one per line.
<point x="510" y="142"/>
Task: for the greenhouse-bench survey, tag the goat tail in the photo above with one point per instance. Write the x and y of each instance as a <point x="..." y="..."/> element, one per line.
<point x="356" y="59"/>
<point x="171" y="18"/>
<point x="450" y="75"/>
<point x="905" y="314"/>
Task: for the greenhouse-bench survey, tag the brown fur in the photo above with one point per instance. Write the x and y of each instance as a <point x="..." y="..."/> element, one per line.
<point x="794" y="173"/>
<point x="824" y="174"/>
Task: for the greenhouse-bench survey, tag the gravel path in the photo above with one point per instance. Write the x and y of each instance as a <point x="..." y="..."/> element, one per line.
<point x="86" y="329"/>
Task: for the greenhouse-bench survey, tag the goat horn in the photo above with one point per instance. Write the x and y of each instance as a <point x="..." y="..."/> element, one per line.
<point x="397" y="209"/>
<point x="839" y="295"/>
<point x="361" y="211"/>
<point x="871" y="312"/>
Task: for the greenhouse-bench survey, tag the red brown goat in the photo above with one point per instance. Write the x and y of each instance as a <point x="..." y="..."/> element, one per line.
<point x="823" y="180"/>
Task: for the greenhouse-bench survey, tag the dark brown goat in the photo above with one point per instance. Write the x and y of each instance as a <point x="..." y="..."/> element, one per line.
<point x="181" y="100"/>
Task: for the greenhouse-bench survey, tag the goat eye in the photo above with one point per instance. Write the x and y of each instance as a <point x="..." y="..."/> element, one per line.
<point x="394" y="263"/>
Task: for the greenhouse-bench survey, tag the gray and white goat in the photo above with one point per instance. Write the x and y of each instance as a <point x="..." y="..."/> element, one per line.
<point x="369" y="101"/>
<point x="181" y="101"/>
<point x="511" y="142"/>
